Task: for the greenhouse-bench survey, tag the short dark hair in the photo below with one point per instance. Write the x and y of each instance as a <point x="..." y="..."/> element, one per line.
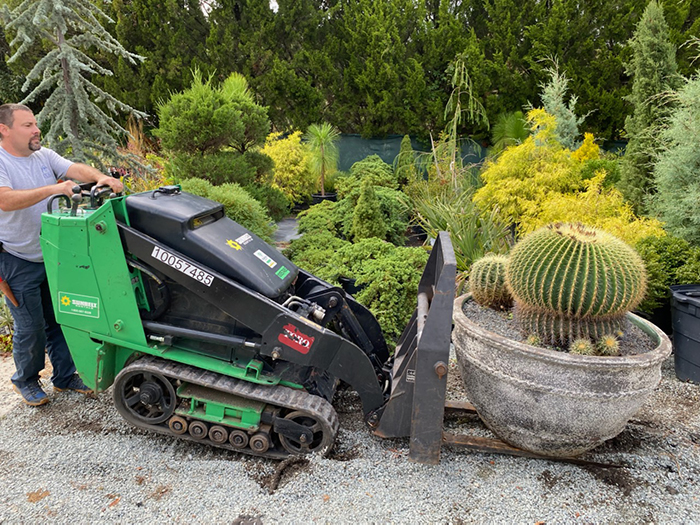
<point x="7" y="113"/>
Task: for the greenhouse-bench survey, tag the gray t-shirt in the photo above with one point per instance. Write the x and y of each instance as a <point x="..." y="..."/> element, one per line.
<point x="19" y="229"/>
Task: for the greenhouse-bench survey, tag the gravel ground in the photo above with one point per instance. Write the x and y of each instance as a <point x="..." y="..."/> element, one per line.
<point x="75" y="460"/>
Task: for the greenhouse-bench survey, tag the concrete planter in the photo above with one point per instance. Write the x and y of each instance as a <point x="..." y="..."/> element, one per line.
<point x="553" y="403"/>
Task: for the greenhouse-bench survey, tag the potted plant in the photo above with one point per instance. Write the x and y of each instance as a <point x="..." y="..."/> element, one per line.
<point x="573" y="288"/>
<point x="321" y="140"/>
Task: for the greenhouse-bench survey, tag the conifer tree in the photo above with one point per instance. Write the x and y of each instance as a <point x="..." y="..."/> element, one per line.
<point x="170" y="54"/>
<point x="9" y="82"/>
<point x="80" y="114"/>
<point x="676" y="170"/>
<point x="405" y="162"/>
<point x="553" y="95"/>
<point x="368" y="220"/>
<point x="654" y="70"/>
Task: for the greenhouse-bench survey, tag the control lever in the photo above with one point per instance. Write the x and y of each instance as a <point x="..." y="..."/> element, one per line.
<point x="98" y="191"/>
<point x="76" y="198"/>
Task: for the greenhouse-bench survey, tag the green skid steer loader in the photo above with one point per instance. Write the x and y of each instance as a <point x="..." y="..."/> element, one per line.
<point x="209" y="334"/>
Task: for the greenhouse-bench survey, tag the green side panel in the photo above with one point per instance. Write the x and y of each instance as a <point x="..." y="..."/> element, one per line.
<point x="91" y="288"/>
<point x="97" y="363"/>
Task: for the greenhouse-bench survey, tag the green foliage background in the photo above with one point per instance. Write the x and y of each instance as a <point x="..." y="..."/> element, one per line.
<point x="382" y="67"/>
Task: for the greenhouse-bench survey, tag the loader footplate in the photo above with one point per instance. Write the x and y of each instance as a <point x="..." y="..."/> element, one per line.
<point x="165" y="397"/>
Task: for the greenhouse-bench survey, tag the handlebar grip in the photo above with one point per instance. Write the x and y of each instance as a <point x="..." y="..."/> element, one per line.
<point x="49" y="204"/>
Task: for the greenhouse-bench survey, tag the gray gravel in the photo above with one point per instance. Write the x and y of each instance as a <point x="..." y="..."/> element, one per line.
<point x="76" y="461"/>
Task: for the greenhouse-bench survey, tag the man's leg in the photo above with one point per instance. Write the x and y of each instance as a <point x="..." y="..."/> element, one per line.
<point x="63" y="366"/>
<point x="29" y="339"/>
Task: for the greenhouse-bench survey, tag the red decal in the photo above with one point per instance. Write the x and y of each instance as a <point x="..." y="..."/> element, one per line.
<point x="293" y="338"/>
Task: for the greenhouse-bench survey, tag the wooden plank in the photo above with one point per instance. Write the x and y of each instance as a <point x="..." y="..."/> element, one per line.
<point x="496" y="446"/>
<point x="460" y="405"/>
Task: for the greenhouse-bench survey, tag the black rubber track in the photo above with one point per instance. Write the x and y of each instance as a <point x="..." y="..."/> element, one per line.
<point x="277" y="396"/>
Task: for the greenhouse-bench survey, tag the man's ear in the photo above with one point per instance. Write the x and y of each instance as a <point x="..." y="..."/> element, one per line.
<point x="4" y="129"/>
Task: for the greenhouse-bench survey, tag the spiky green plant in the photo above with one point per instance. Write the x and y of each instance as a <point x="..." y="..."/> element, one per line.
<point x="608" y="345"/>
<point x="570" y="281"/>
<point x="321" y="140"/>
<point x="582" y="347"/>
<point x="487" y="282"/>
<point x="555" y="328"/>
<point x="533" y="340"/>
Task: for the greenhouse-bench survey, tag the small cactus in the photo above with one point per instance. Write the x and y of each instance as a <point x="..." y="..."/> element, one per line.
<point x="570" y="281"/>
<point x="533" y="340"/>
<point x="582" y="347"/>
<point x="608" y="345"/>
<point x="487" y="282"/>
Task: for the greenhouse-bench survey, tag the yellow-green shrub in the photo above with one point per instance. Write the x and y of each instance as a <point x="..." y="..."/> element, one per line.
<point x="291" y="172"/>
<point x="597" y="207"/>
<point x="524" y="176"/>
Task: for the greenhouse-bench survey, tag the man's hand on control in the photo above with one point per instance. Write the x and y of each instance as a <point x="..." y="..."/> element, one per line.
<point x="65" y="187"/>
<point x="115" y="184"/>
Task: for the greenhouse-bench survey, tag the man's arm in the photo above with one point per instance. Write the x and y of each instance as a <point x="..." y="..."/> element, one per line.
<point x="11" y="200"/>
<point x="85" y="173"/>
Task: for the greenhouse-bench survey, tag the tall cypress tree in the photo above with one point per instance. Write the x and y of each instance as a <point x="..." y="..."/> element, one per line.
<point x="676" y="169"/>
<point x="9" y="82"/>
<point x="170" y="34"/>
<point x="654" y="70"/>
<point x="79" y="112"/>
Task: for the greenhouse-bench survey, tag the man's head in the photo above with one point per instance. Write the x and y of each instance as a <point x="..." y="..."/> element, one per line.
<point x="18" y="129"/>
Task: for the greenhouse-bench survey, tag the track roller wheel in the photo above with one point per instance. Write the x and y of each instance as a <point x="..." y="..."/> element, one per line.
<point x="144" y="397"/>
<point x="238" y="438"/>
<point x="178" y="425"/>
<point x="322" y="435"/>
<point x="198" y="429"/>
<point x="260" y="442"/>
<point x="218" y="434"/>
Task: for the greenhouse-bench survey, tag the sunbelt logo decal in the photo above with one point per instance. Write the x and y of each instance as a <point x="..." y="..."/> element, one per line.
<point x="73" y="303"/>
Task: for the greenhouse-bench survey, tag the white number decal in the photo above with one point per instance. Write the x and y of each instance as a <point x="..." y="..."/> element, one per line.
<point x="182" y="266"/>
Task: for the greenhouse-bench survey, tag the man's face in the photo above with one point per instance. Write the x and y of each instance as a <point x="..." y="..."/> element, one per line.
<point x="23" y="137"/>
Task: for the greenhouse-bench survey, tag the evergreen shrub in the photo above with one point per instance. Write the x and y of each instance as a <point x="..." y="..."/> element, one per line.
<point x="224" y="167"/>
<point x="388" y="275"/>
<point x="372" y="170"/>
<point x="669" y="261"/>
<point x="367" y="219"/>
<point x="273" y="199"/>
<point x="291" y="172"/>
<point x="394" y="213"/>
<point x="313" y="251"/>
<point x="238" y="204"/>
<point x="321" y="217"/>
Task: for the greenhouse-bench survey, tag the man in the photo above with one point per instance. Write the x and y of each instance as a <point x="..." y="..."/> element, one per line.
<point x="28" y="177"/>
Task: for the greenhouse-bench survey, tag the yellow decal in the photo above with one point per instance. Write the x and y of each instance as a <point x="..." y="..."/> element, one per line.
<point x="65" y="300"/>
<point x="234" y="245"/>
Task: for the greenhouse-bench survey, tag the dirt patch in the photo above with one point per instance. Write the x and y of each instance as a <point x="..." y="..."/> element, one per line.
<point x="548" y="480"/>
<point x="616" y="477"/>
<point x="270" y="476"/>
<point x="338" y="453"/>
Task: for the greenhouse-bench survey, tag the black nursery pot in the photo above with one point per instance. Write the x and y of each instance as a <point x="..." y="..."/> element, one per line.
<point x="417" y="232"/>
<point x="685" y="312"/>
<point x="348" y="284"/>
<point x="317" y="198"/>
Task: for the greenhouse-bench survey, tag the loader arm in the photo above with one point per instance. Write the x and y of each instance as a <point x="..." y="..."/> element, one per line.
<point x="328" y="351"/>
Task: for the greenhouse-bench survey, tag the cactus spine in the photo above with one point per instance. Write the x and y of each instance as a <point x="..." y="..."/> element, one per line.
<point x="570" y="281"/>
<point x="487" y="282"/>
